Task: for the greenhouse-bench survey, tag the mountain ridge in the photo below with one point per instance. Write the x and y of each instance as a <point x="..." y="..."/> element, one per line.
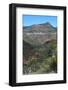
<point x="39" y="34"/>
<point x="47" y="23"/>
<point x="43" y="27"/>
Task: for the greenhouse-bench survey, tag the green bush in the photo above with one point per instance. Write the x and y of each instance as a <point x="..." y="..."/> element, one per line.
<point x="53" y="64"/>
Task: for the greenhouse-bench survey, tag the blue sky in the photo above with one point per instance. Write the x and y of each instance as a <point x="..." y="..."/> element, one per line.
<point x="35" y="19"/>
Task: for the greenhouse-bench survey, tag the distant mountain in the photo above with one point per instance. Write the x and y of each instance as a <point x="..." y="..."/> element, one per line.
<point x="44" y="27"/>
<point x="39" y="34"/>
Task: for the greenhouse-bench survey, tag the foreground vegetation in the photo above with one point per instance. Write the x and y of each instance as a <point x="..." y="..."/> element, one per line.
<point x="40" y="59"/>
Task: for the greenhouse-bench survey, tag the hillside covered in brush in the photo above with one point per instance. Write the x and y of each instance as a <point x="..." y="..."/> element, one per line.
<point x="39" y="49"/>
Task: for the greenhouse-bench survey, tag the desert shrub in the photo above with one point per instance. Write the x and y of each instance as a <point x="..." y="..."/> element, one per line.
<point x="53" y="64"/>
